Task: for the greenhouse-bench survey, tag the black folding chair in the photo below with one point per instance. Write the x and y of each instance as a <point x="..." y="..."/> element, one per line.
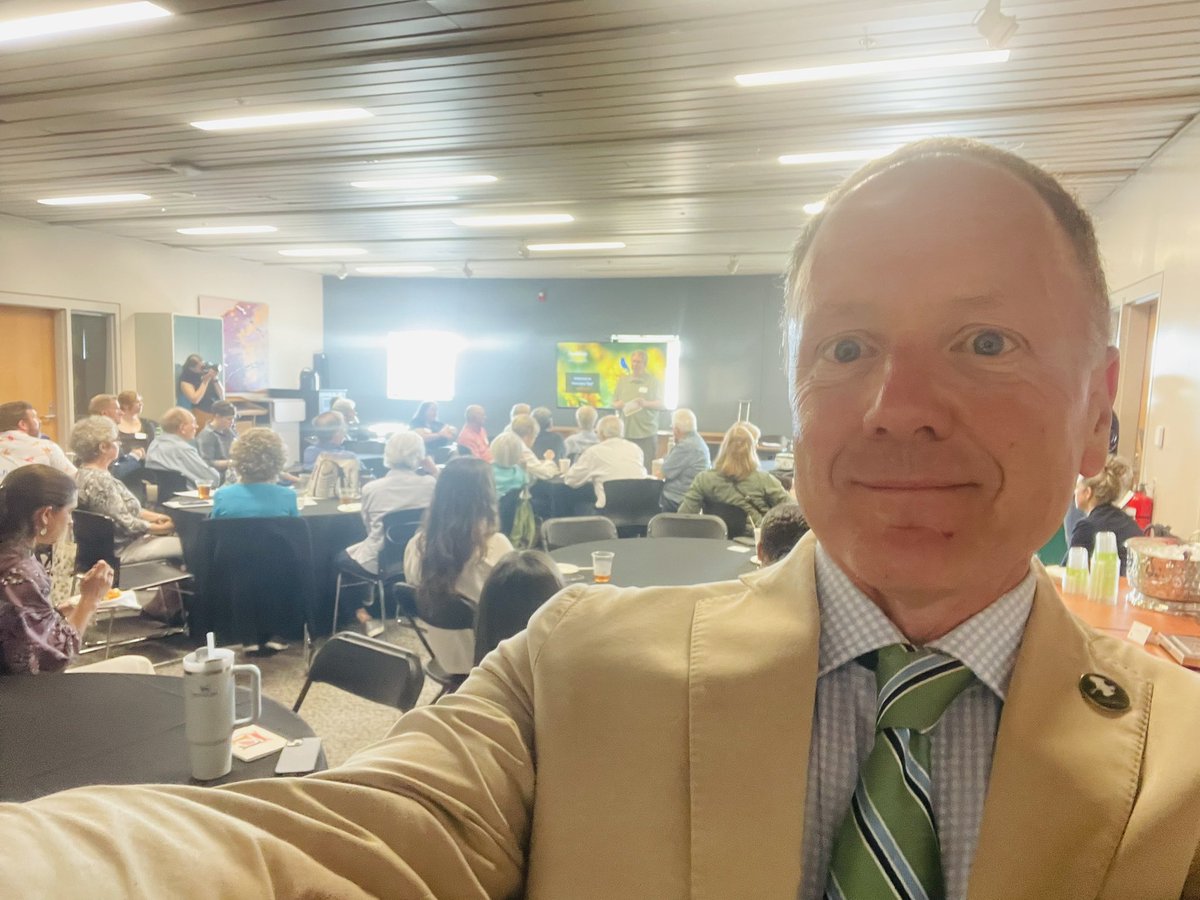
<point x="687" y="525"/>
<point x="369" y="668"/>
<point x="398" y="529"/>
<point x="166" y="482"/>
<point x="631" y="503"/>
<point x="734" y="517"/>
<point x="457" y="613"/>
<point x="577" y="530"/>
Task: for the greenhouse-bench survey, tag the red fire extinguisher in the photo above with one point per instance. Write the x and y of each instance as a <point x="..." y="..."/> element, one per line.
<point x="1142" y="505"/>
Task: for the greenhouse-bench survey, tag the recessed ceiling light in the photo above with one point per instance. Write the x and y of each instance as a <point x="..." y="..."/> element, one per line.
<point x="79" y="20"/>
<point x="519" y="219"/>
<point x="586" y="245"/>
<point x="813" y="208"/>
<point x="873" y="67"/>
<point x="392" y="270"/>
<point x="229" y="229"/>
<point x="833" y="156"/>
<point x="93" y="199"/>
<point x="424" y="182"/>
<point x="323" y="251"/>
<point x="276" y="120"/>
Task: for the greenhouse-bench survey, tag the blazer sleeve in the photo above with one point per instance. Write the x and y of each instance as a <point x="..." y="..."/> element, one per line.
<point x="440" y="808"/>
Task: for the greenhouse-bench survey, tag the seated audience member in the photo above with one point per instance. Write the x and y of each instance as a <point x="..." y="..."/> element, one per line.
<point x="126" y="463"/>
<point x="408" y="484"/>
<point x="1096" y="498"/>
<point x="781" y="529"/>
<point x="687" y="459"/>
<point x="526" y="428"/>
<point x="612" y="458"/>
<point x="355" y="430"/>
<point x="258" y="458"/>
<point x="173" y="450"/>
<point x="508" y="453"/>
<point x="474" y="436"/>
<point x="585" y="418"/>
<point x="21" y="442"/>
<point x="735" y="479"/>
<point x="330" y="430"/>
<point x="521" y="582"/>
<point x="434" y="433"/>
<point x="547" y="441"/>
<point x="138" y="534"/>
<point x="35" y="509"/>
<point x="455" y="551"/>
<point x="216" y="438"/>
<point x="136" y="431"/>
<point x="518" y="409"/>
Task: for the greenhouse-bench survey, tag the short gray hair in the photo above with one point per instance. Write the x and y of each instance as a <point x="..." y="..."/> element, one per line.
<point x="543" y="417"/>
<point x="258" y="455"/>
<point x="404" y="450"/>
<point x="90" y="434"/>
<point x="172" y="420"/>
<point x="610" y="427"/>
<point x="585" y="417"/>
<point x="525" y="426"/>
<point x="342" y="405"/>
<point x="684" y="420"/>
<point x="327" y="424"/>
<point x="507" y="450"/>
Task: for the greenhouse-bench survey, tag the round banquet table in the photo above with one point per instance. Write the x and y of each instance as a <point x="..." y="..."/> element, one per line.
<point x="64" y="730"/>
<point x="642" y="562"/>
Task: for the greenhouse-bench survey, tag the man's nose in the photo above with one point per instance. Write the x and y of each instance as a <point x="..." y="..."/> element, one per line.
<point x="909" y="398"/>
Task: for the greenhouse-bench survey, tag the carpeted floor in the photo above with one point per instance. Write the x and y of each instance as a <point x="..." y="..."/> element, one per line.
<point x="344" y="722"/>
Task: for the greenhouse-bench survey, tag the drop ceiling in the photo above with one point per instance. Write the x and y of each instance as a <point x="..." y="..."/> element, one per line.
<point x="622" y="113"/>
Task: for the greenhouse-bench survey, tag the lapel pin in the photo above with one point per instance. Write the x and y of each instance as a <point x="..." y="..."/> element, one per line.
<point x="1103" y="692"/>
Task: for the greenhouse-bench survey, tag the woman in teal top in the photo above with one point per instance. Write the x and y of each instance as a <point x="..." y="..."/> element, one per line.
<point x="258" y="456"/>
<point x="507" y="450"/>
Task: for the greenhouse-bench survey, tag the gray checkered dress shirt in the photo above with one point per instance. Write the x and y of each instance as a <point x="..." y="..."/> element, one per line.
<point x="844" y="719"/>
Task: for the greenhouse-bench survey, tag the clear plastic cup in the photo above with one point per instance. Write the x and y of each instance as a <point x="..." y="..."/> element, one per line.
<point x="204" y="489"/>
<point x="1075" y="578"/>
<point x="602" y="562"/>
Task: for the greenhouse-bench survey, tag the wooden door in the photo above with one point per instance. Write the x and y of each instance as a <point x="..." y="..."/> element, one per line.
<point x="30" y="370"/>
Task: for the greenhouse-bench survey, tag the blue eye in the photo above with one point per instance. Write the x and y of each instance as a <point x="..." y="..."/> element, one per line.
<point x="847" y="350"/>
<point x="989" y="343"/>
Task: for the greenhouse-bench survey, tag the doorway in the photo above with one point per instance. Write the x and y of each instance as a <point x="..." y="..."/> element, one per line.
<point x="91" y="355"/>
<point x="1137" y="356"/>
<point x="30" y="372"/>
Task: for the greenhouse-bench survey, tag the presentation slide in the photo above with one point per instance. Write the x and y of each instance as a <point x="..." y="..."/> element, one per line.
<point x="588" y="370"/>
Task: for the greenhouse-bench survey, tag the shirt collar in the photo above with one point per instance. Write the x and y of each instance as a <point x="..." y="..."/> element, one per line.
<point x="851" y="625"/>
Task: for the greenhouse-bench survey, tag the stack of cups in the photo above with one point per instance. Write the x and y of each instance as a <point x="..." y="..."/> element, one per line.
<point x="1075" y="579"/>
<point x="1104" y="582"/>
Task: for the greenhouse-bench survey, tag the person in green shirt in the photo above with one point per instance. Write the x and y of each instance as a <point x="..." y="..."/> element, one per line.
<point x="638" y="398"/>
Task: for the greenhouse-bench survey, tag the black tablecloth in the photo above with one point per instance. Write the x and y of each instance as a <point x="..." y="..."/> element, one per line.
<point x="68" y="730"/>
<point x="642" y="562"/>
<point x="331" y="530"/>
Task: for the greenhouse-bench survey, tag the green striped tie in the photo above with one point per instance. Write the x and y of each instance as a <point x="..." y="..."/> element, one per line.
<point x="887" y="845"/>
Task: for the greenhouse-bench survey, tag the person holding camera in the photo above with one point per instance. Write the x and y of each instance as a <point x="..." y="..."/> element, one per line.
<point x="199" y="387"/>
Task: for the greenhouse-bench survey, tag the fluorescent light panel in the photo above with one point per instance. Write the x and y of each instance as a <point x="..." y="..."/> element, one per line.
<point x="393" y="270"/>
<point x="79" y="20"/>
<point x="583" y="245"/>
<point x="424" y="182"/>
<point x="93" y="199"/>
<point x="323" y="251"/>
<point x="229" y="229"/>
<point x="874" y="67"/>
<point x="517" y="219"/>
<point x="278" y="120"/>
<point x="834" y="156"/>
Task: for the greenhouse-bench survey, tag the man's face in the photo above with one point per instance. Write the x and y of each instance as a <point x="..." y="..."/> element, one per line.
<point x="188" y="429"/>
<point x="112" y="411"/>
<point x="31" y="424"/>
<point x="637" y="362"/>
<point x="946" y="391"/>
<point x="476" y="416"/>
<point x="222" y="423"/>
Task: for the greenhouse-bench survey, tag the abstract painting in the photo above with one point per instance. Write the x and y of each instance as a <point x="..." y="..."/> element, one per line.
<point x="246" y="329"/>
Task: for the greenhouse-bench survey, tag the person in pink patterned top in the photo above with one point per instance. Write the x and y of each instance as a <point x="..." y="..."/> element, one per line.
<point x="21" y="443"/>
<point x="35" y="508"/>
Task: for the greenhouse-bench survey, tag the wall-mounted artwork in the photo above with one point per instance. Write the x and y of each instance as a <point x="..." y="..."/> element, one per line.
<point x="246" y="328"/>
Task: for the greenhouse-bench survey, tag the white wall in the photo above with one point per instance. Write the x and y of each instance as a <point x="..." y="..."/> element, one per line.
<point x="1151" y="227"/>
<point x="74" y="264"/>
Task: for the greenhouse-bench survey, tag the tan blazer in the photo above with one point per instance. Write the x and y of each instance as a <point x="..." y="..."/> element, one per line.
<point x="669" y="729"/>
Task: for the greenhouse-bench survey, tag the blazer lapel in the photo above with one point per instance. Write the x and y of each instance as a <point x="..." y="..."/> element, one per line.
<point x="752" y="682"/>
<point x="1064" y="772"/>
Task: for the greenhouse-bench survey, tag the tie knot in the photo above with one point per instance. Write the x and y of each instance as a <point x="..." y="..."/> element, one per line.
<point x="915" y="686"/>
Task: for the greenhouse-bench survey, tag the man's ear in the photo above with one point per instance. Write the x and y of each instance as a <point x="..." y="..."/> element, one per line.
<point x="1102" y="393"/>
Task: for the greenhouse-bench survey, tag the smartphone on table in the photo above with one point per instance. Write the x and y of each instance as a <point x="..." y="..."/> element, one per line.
<point x="299" y="757"/>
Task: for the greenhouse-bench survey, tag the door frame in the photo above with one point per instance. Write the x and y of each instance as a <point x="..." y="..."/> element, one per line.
<point x="1130" y="384"/>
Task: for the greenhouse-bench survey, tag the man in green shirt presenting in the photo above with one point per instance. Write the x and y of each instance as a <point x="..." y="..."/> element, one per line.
<point x="638" y="398"/>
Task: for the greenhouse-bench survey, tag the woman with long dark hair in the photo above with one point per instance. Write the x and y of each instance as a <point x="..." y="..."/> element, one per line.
<point x="35" y="509"/>
<point x="434" y="432"/>
<point x="455" y="551"/>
